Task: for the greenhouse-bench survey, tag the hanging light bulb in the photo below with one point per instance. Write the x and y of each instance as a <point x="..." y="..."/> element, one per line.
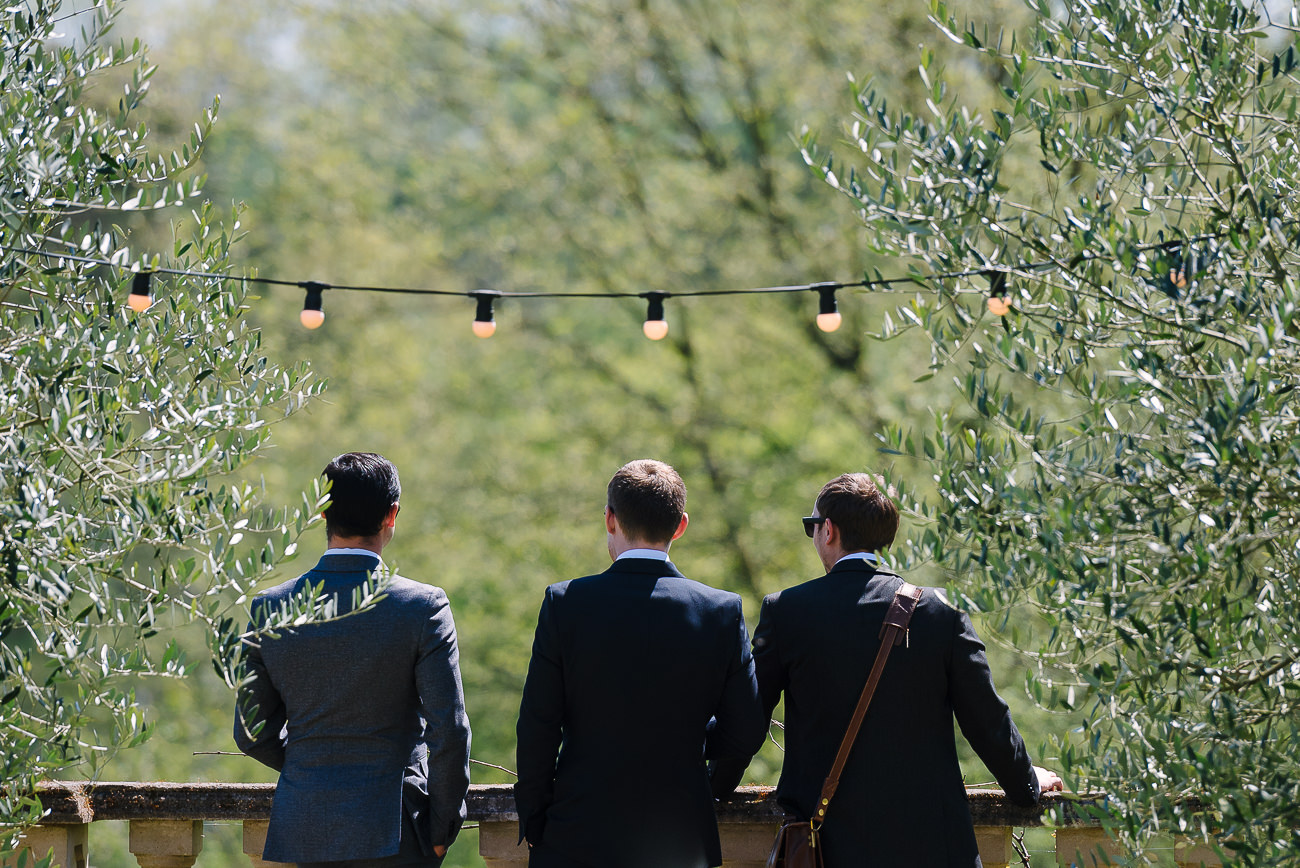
<point x="141" y="296"/>
<point x="828" y="314"/>
<point x="484" y="323"/>
<point x="999" y="302"/>
<point x="1184" y="264"/>
<point x="655" y="326"/>
<point x="313" y="313"/>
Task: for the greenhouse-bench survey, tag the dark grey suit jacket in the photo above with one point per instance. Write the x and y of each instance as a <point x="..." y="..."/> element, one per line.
<point x="901" y="802"/>
<point x="638" y="677"/>
<point x="363" y="716"/>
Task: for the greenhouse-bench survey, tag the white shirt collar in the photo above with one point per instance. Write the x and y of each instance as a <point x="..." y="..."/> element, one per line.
<point x="869" y="557"/>
<point x="648" y="554"/>
<point x="366" y="552"/>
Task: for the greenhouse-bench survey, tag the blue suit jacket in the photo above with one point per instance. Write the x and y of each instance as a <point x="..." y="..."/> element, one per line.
<point x="638" y="677"/>
<point x="363" y="716"/>
<point x="901" y="802"/>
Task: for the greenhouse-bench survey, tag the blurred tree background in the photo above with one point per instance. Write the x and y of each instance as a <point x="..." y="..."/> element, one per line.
<point x="598" y="146"/>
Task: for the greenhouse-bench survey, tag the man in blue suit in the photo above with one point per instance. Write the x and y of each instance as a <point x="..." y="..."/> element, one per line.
<point x="639" y="677"/>
<point x="361" y="713"/>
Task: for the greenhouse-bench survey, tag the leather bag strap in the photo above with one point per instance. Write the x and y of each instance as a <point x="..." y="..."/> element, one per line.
<point x="891" y="634"/>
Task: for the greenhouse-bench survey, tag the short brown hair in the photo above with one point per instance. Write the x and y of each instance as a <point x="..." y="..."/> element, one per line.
<point x="648" y="498"/>
<point x="866" y="518"/>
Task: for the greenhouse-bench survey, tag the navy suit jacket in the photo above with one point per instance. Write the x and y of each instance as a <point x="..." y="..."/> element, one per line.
<point x="638" y="677"/>
<point x="901" y="802"/>
<point x="363" y="716"/>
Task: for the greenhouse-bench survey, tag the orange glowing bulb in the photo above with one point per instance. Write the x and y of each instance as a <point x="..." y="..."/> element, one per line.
<point x="141" y="296"/>
<point x="829" y="322"/>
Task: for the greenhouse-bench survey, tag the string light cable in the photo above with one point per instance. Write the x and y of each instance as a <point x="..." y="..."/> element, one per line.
<point x="655" y="327"/>
<point x="484" y="324"/>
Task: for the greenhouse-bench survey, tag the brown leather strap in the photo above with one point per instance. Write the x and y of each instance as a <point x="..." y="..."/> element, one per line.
<point x="891" y="634"/>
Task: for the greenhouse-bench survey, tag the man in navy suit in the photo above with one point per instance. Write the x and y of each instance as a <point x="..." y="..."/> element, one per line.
<point x="638" y="678"/>
<point x="362" y="713"/>
<point x="901" y="801"/>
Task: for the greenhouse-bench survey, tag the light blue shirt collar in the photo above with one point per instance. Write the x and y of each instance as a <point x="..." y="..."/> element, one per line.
<point x="648" y="554"/>
<point x="869" y="557"/>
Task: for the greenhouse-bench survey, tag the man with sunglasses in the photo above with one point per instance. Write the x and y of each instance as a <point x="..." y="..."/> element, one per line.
<point x="816" y="643"/>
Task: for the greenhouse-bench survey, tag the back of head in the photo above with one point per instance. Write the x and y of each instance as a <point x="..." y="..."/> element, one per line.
<point x="648" y="498"/>
<point x="867" y="519"/>
<point x="363" y="488"/>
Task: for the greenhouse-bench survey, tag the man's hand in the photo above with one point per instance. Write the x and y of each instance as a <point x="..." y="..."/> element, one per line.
<point x="440" y="850"/>
<point x="1048" y="781"/>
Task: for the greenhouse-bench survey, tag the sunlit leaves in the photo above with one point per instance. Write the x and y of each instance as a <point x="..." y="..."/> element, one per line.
<point x="1127" y="467"/>
<point x="119" y="432"/>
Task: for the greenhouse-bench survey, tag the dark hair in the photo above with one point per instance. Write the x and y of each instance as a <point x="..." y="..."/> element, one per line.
<point x="866" y="518"/>
<point x="648" y="498"/>
<point x="363" y="488"/>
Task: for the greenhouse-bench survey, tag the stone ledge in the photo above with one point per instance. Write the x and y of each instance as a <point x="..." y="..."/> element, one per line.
<point x="69" y="802"/>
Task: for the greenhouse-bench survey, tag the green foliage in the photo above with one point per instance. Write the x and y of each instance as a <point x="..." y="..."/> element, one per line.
<point x="1130" y="468"/>
<point x="119" y="514"/>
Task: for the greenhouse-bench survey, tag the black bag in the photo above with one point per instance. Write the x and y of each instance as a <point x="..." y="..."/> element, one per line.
<point x="797" y="846"/>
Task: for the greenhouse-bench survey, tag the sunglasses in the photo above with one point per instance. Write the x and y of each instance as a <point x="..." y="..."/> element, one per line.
<point x="810" y="523"/>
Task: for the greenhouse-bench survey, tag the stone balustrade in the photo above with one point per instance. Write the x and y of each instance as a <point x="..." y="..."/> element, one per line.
<point x="166" y="824"/>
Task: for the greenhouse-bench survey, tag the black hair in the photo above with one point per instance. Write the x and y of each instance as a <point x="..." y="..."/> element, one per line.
<point x="363" y="488"/>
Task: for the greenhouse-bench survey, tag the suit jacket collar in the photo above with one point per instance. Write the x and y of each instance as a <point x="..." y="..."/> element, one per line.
<point x="644" y="566"/>
<point x="859" y="566"/>
<point x="347" y="564"/>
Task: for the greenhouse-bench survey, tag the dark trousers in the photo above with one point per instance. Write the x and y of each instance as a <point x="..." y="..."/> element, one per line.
<point x="542" y="856"/>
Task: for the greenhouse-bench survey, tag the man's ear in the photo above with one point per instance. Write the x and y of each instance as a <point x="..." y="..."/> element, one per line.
<point x="611" y="521"/>
<point x="832" y="533"/>
<point x="390" y="520"/>
<point x="681" y="526"/>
